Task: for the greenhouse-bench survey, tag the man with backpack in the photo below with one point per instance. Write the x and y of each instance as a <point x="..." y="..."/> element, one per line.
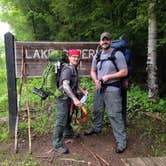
<point x="107" y="80"/>
<point x="68" y="85"/>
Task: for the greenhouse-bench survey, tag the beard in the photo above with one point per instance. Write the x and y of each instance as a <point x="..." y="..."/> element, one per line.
<point x="105" y="46"/>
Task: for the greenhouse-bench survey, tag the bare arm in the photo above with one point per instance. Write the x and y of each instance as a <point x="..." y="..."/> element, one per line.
<point x="85" y="92"/>
<point x="94" y="78"/>
<point x="121" y="73"/>
<point x="69" y="92"/>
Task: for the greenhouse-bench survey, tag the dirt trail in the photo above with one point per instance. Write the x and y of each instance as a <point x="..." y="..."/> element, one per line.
<point x="85" y="149"/>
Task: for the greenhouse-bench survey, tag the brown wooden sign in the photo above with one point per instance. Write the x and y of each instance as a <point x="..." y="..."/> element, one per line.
<point x="36" y="54"/>
<point x="35" y="57"/>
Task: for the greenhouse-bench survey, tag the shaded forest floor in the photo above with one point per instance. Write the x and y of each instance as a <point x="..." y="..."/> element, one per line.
<point x="84" y="150"/>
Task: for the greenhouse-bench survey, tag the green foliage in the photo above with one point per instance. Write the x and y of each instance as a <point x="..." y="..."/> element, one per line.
<point x="43" y="124"/>
<point x="30" y="96"/>
<point x="4" y="136"/>
<point x="19" y="160"/>
<point x="76" y="20"/>
<point x="1" y="47"/>
<point x="87" y="84"/>
<point x="4" y="113"/>
<point x="3" y="85"/>
<point x="82" y="20"/>
<point x="16" y="19"/>
<point x="138" y="100"/>
<point x="150" y="131"/>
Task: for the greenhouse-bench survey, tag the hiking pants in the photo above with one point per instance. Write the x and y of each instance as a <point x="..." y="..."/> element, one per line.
<point x="113" y="104"/>
<point x="62" y="122"/>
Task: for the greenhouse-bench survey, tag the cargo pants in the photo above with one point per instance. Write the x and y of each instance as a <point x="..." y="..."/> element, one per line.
<point x="62" y="123"/>
<point x="112" y="102"/>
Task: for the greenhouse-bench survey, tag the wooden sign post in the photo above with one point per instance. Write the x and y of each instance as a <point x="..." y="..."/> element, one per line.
<point x="11" y="81"/>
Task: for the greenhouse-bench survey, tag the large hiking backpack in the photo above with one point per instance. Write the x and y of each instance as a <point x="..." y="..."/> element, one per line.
<point x="51" y="75"/>
<point x="118" y="45"/>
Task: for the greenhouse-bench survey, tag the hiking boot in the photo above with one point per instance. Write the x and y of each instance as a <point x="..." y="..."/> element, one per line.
<point x="72" y="135"/>
<point x="61" y="150"/>
<point x="119" y="149"/>
<point x="91" y="131"/>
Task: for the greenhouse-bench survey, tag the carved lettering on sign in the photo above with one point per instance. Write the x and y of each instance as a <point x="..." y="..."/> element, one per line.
<point x="43" y="53"/>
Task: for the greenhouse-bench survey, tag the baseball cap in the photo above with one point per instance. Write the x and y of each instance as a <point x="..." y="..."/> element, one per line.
<point x="105" y="35"/>
<point x="74" y="52"/>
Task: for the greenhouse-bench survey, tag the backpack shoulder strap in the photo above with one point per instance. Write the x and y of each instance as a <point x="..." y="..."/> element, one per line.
<point x="58" y="74"/>
<point x="110" y="58"/>
<point x="72" y="68"/>
<point x="98" y="55"/>
<point x="113" y="58"/>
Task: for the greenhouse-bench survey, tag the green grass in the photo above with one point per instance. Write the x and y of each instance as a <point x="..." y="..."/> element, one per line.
<point x="4" y="136"/>
<point x="150" y="131"/>
<point x="3" y="86"/>
<point x="18" y="159"/>
<point x="3" y="114"/>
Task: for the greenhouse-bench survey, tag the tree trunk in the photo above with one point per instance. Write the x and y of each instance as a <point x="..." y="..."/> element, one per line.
<point x="152" y="55"/>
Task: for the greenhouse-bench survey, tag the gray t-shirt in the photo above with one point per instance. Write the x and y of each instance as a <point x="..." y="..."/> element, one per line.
<point x="108" y="67"/>
<point x="70" y="73"/>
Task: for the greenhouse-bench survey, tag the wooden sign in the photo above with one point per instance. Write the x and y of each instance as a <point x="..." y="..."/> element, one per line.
<point x="36" y="55"/>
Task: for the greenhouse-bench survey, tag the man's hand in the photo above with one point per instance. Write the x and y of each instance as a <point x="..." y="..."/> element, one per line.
<point x="105" y="78"/>
<point x="121" y="73"/>
<point x="77" y="102"/>
<point x="85" y="92"/>
<point x="97" y="84"/>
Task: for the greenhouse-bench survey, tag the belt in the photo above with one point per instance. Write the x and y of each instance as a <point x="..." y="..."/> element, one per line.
<point x="115" y="84"/>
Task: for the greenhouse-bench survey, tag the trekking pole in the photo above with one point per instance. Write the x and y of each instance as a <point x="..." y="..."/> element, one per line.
<point x="29" y="122"/>
<point x="19" y="103"/>
<point x="28" y="112"/>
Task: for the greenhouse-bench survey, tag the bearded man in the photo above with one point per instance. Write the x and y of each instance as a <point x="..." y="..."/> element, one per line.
<point x="107" y="80"/>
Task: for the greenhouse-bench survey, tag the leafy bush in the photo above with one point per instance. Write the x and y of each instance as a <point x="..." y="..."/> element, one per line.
<point x="3" y="85"/>
<point x="4" y="136"/>
<point x="138" y="100"/>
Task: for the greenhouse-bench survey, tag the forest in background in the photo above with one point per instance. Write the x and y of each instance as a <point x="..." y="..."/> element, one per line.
<point x="82" y="20"/>
<point x="85" y="20"/>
